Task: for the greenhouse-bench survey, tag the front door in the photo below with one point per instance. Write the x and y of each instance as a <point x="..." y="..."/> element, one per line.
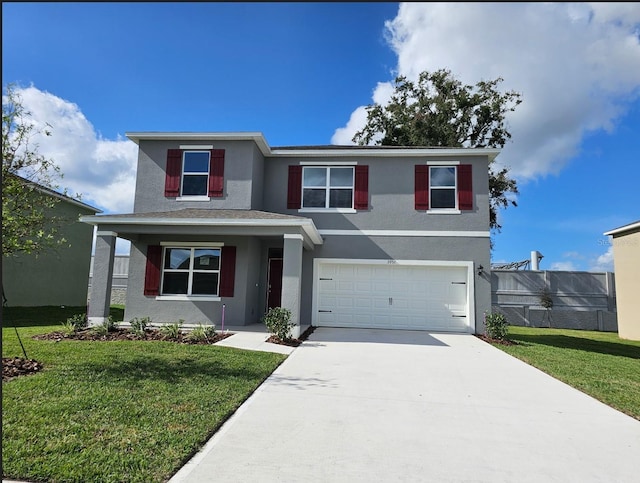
<point x="274" y="283"/>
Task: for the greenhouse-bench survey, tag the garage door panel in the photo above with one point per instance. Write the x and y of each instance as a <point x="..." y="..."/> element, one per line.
<point x="392" y="296"/>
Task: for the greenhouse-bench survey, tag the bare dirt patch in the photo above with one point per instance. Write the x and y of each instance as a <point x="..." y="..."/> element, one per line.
<point x="496" y="341"/>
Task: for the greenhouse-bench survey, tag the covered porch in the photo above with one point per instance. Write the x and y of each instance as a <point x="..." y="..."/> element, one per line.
<point x="242" y="245"/>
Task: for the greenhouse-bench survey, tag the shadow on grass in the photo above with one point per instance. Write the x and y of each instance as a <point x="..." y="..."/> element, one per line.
<point x="150" y="367"/>
<point x="578" y="343"/>
<point x="48" y="315"/>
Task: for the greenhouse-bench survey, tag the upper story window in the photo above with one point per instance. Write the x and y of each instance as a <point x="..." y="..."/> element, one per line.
<point x="327" y="187"/>
<point x="190" y="271"/>
<point x="442" y="187"/>
<point x="195" y="173"/>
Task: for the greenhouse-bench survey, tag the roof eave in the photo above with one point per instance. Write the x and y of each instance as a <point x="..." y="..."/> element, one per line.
<point x="630" y="227"/>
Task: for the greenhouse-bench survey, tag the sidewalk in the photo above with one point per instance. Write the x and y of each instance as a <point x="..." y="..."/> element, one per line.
<point x="252" y="337"/>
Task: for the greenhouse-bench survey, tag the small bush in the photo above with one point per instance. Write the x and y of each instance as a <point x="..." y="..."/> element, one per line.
<point x="277" y="321"/>
<point x="202" y="333"/>
<point x="75" y="323"/>
<point x="138" y="326"/>
<point x="172" y="331"/>
<point x="496" y="326"/>
<point x="109" y="325"/>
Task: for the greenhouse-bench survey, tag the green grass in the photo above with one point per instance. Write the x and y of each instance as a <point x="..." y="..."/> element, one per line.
<point x="597" y="363"/>
<point x="116" y="411"/>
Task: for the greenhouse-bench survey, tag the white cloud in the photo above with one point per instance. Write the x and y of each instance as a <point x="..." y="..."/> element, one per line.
<point x="577" y="66"/>
<point x="603" y="263"/>
<point x="102" y="170"/>
<point x="563" y="266"/>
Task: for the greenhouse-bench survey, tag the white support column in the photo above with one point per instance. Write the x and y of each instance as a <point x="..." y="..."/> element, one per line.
<point x="100" y="300"/>
<point x="292" y="278"/>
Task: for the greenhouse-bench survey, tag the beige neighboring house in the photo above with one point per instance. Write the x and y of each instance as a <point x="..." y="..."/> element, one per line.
<point x="626" y="259"/>
<point x="57" y="276"/>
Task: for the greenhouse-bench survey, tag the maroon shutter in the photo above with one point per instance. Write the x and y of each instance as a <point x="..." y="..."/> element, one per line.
<point x="216" y="173"/>
<point x="227" y="271"/>
<point x="173" y="173"/>
<point x="294" y="191"/>
<point x="465" y="192"/>
<point x="152" y="272"/>
<point x="361" y="198"/>
<point x="422" y="187"/>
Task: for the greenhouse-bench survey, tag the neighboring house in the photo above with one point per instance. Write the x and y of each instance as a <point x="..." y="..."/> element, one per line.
<point x="626" y="260"/>
<point x="57" y="276"/>
<point x="348" y="236"/>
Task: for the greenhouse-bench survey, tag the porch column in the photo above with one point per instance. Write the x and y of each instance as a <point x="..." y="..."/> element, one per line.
<point x="292" y="278"/>
<point x="100" y="299"/>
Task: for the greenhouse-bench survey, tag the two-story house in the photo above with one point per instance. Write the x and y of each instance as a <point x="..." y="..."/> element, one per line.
<point x="343" y="236"/>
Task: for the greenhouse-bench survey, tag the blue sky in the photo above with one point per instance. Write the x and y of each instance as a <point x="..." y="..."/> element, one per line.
<point x="301" y="73"/>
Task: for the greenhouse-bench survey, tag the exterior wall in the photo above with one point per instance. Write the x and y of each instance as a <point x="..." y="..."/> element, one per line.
<point x="391" y="196"/>
<point x="242" y="163"/>
<point x="402" y="248"/>
<point x="241" y="309"/>
<point x="55" y="277"/>
<point x="581" y="300"/>
<point x="626" y="256"/>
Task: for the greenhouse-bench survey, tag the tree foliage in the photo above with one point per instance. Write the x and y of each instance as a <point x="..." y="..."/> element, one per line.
<point x="440" y="111"/>
<point x="28" y="223"/>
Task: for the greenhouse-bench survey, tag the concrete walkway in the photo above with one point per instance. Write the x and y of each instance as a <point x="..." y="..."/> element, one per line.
<point x="383" y="406"/>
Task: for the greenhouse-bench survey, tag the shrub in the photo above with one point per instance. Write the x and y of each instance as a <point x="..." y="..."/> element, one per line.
<point x="277" y="321"/>
<point x="75" y="323"/>
<point x="172" y="331"/>
<point x="138" y="326"/>
<point x="496" y="325"/>
<point x="202" y="333"/>
<point x="109" y="325"/>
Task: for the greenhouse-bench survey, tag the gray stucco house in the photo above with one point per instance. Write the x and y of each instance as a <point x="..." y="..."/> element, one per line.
<point x="57" y="276"/>
<point x="343" y="236"/>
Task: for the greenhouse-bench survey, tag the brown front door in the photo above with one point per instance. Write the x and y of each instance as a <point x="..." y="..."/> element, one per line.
<point x="274" y="283"/>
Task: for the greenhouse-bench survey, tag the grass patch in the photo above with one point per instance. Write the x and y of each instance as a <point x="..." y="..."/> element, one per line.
<point x="597" y="363"/>
<point x="48" y="315"/>
<point x="131" y="411"/>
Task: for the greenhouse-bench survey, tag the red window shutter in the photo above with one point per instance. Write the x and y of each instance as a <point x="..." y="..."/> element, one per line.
<point x="422" y="187"/>
<point x="152" y="272"/>
<point x="294" y="191"/>
<point x="216" y="173"/>
<point x="465" y="191"/>
<point x="227" y="271"/>
<point x="361" y="197"/>
<point x="173" y="173"/>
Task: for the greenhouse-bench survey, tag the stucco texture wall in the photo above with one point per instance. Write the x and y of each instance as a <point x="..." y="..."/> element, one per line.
<point x="626" y="259"/>
<point x="58" y="276"/>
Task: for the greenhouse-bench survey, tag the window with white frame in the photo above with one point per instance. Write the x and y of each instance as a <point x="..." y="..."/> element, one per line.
<point x="195" y="173"/>
<point x="191" y="271"/>
<point x="327" y="186"/>
<point x="442" y="187"/>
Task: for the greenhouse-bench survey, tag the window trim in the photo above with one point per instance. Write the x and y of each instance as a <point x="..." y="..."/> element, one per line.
<point x="447" y="210"/>
<point x="183" y="174"/>
<point x="327" y="187"/>
<point x="190" y="271"/>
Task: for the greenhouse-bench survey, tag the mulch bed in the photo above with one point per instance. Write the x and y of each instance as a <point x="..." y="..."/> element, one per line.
<point x="496" y="341"/>
<point x="17" y="366"/>
<point x="125" y="334"/>
<point x="293" y="342"/>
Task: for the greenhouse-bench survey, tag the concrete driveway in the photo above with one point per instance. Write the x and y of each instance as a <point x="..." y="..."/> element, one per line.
<point x="353" y="405"/>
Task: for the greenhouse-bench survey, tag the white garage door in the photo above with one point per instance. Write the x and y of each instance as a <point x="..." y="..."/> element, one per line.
<point x="415" y="297"/>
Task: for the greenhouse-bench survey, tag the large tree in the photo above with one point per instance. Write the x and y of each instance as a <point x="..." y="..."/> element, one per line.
<point x="28" y="221"/>
<point x="440" y="111"/>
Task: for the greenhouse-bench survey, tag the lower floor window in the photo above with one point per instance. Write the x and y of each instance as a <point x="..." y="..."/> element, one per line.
<point x="191" y="271"/>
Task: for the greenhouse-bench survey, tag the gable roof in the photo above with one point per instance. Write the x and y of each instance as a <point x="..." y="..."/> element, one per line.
<point x="51" y="192"/>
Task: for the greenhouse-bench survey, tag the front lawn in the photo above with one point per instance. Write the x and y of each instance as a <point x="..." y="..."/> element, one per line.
<point x="116" y="411"/>
<point x="597" y="363"/>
